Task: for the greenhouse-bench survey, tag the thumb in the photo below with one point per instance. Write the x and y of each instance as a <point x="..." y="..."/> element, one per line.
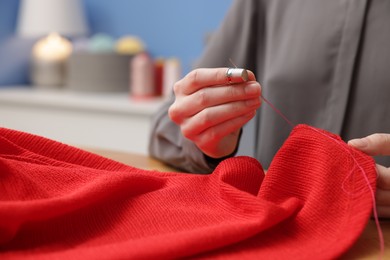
<point x="375" y="144"/>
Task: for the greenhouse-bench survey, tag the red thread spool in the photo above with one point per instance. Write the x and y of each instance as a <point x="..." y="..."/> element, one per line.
<point x="159" y="75"/>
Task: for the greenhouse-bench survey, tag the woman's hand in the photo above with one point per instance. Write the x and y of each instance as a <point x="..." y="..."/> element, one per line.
<point x="378" y="144"/>
<point x="211" y="112"/>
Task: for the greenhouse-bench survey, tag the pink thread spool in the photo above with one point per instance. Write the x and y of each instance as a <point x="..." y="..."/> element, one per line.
<point x="142" y="83"/>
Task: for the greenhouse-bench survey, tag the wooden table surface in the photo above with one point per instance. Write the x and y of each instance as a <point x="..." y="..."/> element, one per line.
<point x="366" y="247"/>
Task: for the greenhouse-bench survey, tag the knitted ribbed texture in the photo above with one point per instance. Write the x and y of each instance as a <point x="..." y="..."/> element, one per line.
<point x="59" y="202"/>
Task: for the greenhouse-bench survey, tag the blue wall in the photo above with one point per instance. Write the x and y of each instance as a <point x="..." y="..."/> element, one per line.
<point x="168" y="28"/>
<point x="8" y="14"/>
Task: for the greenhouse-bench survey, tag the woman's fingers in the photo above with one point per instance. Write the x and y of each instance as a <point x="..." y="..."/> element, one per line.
<point x="383" y="211"/>
<point x="187" y="106"/>
<point x="382" y="198"/>
<point x="216" y="115"/>
<point x="383" y="181"/>
<point x="382" y="195"/>
<point x="211" y="112"/>
<point x="201" y="78"/>
<point x="221" y="140"/>
<point x="375" y="144"/>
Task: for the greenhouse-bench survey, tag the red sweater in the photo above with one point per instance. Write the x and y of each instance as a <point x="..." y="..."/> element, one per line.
<point x="60" y="202"/>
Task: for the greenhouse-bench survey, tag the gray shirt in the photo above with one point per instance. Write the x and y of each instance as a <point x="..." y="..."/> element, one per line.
<point x="322" y="63"/>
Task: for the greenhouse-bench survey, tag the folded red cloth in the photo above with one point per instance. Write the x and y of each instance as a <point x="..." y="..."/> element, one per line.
<point x="57" y="201"/>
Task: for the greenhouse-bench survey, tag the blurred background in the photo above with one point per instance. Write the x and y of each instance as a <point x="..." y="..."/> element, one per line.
<point x="92" y="73"/>
<point x="170" y="28"/>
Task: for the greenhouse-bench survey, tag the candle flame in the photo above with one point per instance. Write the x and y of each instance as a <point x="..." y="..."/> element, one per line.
<point x="52" y="48"/>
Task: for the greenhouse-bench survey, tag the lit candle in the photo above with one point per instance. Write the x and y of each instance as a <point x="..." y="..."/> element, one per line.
<point x="49" y="57"/>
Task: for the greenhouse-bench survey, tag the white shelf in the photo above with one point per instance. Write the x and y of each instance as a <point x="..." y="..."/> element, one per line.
<point x="96" y="120"/>
<point x="65" y="99"/>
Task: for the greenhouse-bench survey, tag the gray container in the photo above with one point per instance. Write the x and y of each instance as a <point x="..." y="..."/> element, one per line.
<point x="98" y="72"/>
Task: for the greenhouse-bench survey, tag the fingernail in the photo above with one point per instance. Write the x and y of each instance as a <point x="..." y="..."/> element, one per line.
<point x="358" y="143"/>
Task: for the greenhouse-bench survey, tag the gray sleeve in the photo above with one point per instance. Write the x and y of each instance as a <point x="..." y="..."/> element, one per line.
<point x="233" y="40"/>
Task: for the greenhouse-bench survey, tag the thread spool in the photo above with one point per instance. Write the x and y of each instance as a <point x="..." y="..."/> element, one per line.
<point x="159" y="76"/>
<point x="172" y="74"/>
<point x="142" y="76"/>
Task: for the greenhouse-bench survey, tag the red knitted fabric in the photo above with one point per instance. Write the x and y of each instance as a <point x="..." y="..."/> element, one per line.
<point x="59" y="202"/>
